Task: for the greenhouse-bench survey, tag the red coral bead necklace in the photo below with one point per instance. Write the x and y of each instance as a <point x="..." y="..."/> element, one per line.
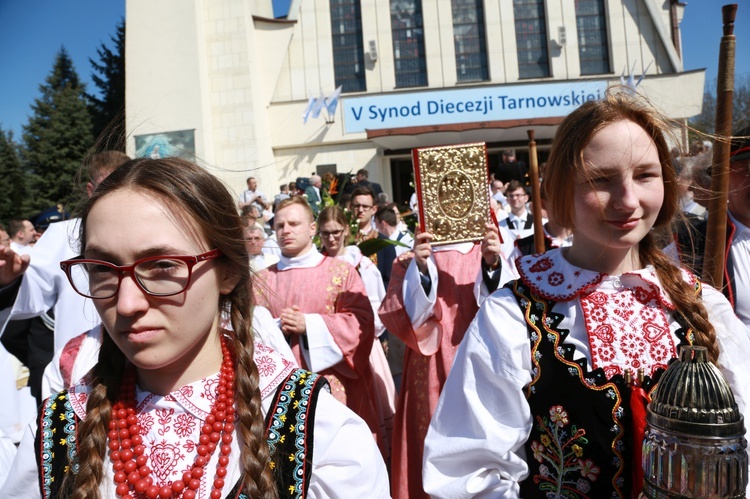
<point x="128" y="453"/>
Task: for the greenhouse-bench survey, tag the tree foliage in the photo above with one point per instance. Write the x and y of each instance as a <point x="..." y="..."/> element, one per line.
<point x="706" y="121"/>
<point x="109" y="77"/>
<point x="58" y="136"/>
<point x="13" y="190"/>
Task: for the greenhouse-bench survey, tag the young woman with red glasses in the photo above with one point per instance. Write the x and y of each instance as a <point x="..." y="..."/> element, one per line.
<point x="177" y="406"/>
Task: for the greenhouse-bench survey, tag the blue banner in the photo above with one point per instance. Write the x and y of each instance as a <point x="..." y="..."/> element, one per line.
<point x="467" y="105"/>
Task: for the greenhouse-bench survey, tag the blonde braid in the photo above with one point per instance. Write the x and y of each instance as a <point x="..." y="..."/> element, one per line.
<point x="682" y="295"/>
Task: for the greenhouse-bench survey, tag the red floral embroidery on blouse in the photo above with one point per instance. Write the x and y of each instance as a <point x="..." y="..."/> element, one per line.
<point x="555" y="279"/>
<point x="265" y="365"/>
<point x="164" y="418"/>
<point x="184" y="425"/>
<point x="164" y="458"/>
<point x="542" y="265"/>
<point x="627" y="327"/>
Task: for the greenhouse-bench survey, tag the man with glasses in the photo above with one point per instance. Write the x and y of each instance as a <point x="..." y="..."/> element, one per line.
<point x="363" y="209"/>
<point x="520" y="223"/>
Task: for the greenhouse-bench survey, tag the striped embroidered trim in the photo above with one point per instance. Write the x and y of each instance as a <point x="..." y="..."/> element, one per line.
<point x="294" y="399"/>
<point x="61" y="424"/>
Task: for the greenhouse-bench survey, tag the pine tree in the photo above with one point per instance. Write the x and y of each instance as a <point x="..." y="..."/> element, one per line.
<point x="108" y="113"/>
<point x="13" y="190"/>
<point x="58" y="136"/>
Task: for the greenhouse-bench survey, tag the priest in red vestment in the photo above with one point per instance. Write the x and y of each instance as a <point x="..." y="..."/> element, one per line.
<point x="432" y="297"/>
<point x="322" y="308"/>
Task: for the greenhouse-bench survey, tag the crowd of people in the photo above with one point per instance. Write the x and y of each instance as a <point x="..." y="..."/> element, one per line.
<point x="317" y="345"/>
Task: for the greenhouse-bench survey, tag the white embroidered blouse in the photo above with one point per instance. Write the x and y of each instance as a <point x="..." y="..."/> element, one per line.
<point x="172" y="426"/>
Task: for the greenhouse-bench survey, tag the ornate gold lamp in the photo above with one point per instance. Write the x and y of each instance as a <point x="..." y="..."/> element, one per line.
<point x="694" y="444"/>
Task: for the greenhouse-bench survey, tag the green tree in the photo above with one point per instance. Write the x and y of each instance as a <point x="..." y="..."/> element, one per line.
<point x="13" y="191"/>
<point x="108" y="113"/>
<point x="57" y="137"/>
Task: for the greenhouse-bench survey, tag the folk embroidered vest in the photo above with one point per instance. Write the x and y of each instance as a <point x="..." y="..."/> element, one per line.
<point x="580" y="444"/>
<point x="289" y="431"/>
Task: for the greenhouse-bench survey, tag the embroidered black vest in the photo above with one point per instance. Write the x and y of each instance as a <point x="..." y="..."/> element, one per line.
<point x="289" y="430"/>
<point x="580" y="441"/>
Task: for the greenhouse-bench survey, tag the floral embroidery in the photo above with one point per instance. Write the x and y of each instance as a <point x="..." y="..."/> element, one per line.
<point x="164" y="458"/>
<point x="170" y="424"/>
<point x="146" y="422"/>
<point x="265" y="365"/>
<point x="551" y="277"/>
<point x="294" y="399"/>
<point x="558" y="416"/>
<point x="210" y="386"/>
<point x="627" y="327"/>
<point x="566" y="470"/>
<point x="189" y="446"/>
<point x="57" y="441"/>
<point x="555" y="278"/>
<point x="164" y="417"/>
<point x="597" y="468"/>
<point x="541" y="265"/>
<point x="184" y="425"/>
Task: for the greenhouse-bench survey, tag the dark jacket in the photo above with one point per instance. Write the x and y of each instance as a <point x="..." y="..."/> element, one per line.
<point x="691" y="245"/>
<point x="526" y="244"/>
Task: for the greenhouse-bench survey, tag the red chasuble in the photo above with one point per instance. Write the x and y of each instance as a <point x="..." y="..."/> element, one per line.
<point x="334" y="290"/>
<point x="428" y="358"/>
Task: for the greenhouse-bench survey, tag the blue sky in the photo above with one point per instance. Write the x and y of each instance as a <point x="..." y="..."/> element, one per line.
<point x="32" y="32"/>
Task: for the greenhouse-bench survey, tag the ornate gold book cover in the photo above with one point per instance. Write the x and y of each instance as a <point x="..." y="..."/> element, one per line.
<point x="452" y="190"/>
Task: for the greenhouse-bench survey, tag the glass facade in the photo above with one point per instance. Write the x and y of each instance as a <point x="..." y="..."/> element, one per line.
<point x="469" y="40"/>
<point x="408" y="43"/>
<point x="593" y="49"/>
<point x="348" y="46"/>
<point x="531" y="38"/>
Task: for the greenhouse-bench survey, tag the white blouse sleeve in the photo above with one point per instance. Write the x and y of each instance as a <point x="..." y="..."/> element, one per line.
<point x="24" y="483"/>
<point x="7" y="453"/>
<point x="474" y="446"/>
<point x="733" y="338"/>
<point x="267" y="332"/>
<point x="321" y="351"/>
<point x="418" y="305"/>
<point x="346" y="459"/>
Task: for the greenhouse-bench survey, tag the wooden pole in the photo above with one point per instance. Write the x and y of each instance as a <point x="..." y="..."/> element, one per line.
<point x="713" y="257"/>
<point x="536" y="195"/>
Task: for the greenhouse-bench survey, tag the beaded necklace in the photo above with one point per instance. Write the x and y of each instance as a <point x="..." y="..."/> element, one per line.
<point x="128" y="453"/>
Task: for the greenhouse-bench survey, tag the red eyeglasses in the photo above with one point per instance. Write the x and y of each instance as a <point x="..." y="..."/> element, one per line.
<point x="154" y="275"/>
